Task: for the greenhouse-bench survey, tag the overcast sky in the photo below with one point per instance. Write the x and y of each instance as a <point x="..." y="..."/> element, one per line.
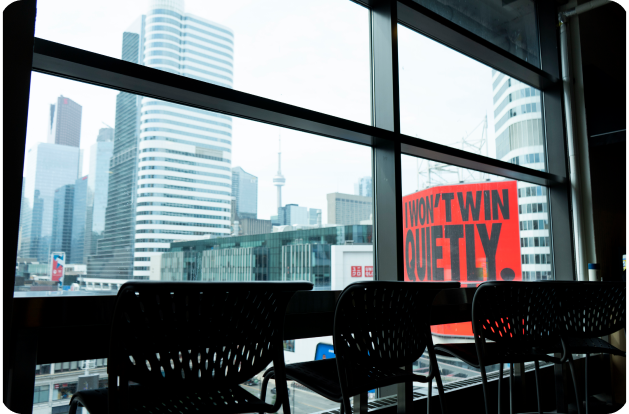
<point x="310" y="54"/>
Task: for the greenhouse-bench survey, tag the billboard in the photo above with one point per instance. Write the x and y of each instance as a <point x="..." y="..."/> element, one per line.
<point x="467" y="233"/>
<point x="58" y="266"/>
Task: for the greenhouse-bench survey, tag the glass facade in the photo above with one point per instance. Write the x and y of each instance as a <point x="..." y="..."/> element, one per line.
<point x="79" y="217"/>
<point x="245" y="190"/>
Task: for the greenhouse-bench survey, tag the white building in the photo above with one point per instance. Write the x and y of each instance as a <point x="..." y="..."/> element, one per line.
<point x="184" y="154"/>
<point x="520" y="140"/>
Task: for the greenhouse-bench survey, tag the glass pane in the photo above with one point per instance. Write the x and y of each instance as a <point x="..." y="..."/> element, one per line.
<point x="466" y="226"/>
<point x="508" y="24"/>
<point x="153" y="190"/>
<point x="323" y="64"/>
<point x="450" y="99"/>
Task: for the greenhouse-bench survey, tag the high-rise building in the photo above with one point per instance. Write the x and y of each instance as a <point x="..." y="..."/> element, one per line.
<point x="520" y="140"/>
<point x="97" y="189"/>
<point x="184" y="153"/>
<point x="348" y="209"/>
<point x="292" y="215"/>
<point x="314" y="216"/>
<point x="364" y="187"/>
<point x="114" y="251"/>
<point x="79" y="221"/>
<point x="245" y="191"/>
<point x="64" y="126"/>
<point x="62" y="219"/>
<point x="49" y="167"/>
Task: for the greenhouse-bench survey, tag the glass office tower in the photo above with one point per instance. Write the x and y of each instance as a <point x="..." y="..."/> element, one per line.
<point x="520" y="140"/>
<point x="245" y="190"/>
<point x="79" y="218"/>
<point x="62" y="219"/>
<point x="184" y="154"/>
<point x="49" y="167"/>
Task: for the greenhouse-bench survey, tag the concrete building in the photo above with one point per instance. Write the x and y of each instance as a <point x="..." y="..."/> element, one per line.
<point x="64" y="126"/>
<point x="292" y="214"/>
<point x="520" y="140"/>
<point x="49" y="167"/>
<point x="250" y="227"/>
<point x="245" y="192"/>
<point x="347" y="209"/>
<point x="314" y="216"/>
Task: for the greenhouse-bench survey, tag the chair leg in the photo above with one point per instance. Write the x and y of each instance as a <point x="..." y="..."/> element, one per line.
<point x="265" y="381"/>
<point x="483" y="375"/>
<point x="73" y="407"/>
<point x="348" y="407"/>
<point x="539" y="400"/>
<point x="442" y="401"/>
<point x="511" y="384"/>
<point x="587" y="398"/>
<point x="574" y="382"/>
<point x="500" y="387"/>
<point x="429" y="396"/>
<point x="286" y="402"/>
<point x="342" y="408"/>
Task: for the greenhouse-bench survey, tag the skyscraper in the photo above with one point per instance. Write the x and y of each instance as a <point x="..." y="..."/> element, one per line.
<point x="62" y="219"/>
<point x="292" y="214"/>
<point x="97" y="187"/>
<point x="245" y="190"/>
<point x="184" y="153"/>
<point x="364" y="187"/>
<point x="64" y="126"/>
<point x="79" y="218"/>
<point x="49" y="167"/>
<point x="520" y="140"/>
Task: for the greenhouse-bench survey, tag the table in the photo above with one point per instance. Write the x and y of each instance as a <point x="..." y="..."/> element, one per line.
<point x="43" y="328"/>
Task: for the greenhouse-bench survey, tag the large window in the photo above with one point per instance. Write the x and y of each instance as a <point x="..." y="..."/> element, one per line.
<point x="136" y="174"/>
<point x="451" y="99"/>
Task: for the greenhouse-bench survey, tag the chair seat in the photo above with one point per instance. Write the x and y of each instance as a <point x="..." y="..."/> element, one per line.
<point x="587" y="346"/>
<point x="149" y="400"/>
<point x="495" y="353"/>
<point x="322" y="377"/>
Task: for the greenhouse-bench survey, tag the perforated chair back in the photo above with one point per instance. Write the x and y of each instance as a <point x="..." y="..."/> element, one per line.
<point x="384" y="323"/>
<point x="197" y="334"/>
<point x="516" y="314"/>
<point x="592" y="309"/>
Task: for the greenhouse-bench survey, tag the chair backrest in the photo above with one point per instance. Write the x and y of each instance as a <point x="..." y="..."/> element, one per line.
<point x="384" y="323"/>
<point x="197" y="333"/>
<point x="592" y="309"/>
<point x="516" y="313"/>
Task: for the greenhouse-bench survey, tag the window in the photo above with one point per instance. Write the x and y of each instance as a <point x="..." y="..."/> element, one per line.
<point x="323" y="65"/>
<point x="64" y="390"/>
<point x="511" y="26"/>
<point x="453" y="100"/>
<point x="463" y="225"/>
<point x="41" y="394"/>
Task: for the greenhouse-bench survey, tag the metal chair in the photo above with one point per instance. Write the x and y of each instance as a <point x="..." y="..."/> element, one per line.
<point x="188" y="346"/>
<point x="380" y="329"/>
<point x="519" y="318"/>
<point x="589" y="310"/>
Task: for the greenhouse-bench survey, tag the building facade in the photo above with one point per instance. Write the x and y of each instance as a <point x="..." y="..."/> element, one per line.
<point x="184" y="154"/>
<point x="347" y="209"/>
<point x="49" y="167"/>
<point x="79" y="222"/>
<point x="245" y="192"/>
<point x="97" y="190"/>
<point x="364" y="187"/>
<point x="292" y="215"/>
<point x="289" y="255"/>
<point x="64" y="126"/>
<point x="62" y="214"/>
<point x="519" y="135"/>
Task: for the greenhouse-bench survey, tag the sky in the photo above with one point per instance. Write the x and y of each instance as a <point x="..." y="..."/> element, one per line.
<point x="310" y="54"/>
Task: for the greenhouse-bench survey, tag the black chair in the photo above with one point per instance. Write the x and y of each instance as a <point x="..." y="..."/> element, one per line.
<point x="589" y="310"/>
<point x="519" y="318"/>
<point x="188" y="346"/>
<point x="380" y="329"/>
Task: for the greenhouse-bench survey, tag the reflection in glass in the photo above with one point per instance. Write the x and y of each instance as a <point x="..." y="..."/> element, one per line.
<point x="450" y="99"/>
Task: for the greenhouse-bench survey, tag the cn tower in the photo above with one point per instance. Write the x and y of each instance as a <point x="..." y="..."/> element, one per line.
<point x="279" y="179"/>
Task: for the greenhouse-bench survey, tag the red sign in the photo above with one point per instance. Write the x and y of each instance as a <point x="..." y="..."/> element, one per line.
<point x="58" y="266"/>
<point x="368" y="271"/>
<point x="357" y="271"/>
<point x="467" y="233"/>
